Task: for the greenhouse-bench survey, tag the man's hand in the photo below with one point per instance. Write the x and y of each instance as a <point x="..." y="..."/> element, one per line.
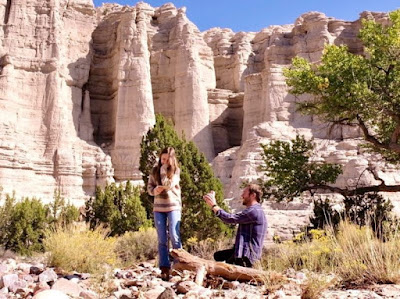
<point x="209" y="198"/>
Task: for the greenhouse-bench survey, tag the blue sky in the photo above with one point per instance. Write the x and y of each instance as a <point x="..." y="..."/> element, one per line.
<point x="253" y="15"/>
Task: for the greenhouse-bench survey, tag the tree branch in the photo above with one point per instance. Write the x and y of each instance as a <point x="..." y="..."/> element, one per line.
<point x="392" y="146"/>
<point x="395" y="135"/>
<point x="360" y="190"/>
<point x="368" y="136"/>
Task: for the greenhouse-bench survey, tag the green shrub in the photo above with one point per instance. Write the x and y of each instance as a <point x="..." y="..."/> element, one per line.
<point x="23" y="223"/>
<point x="197" y="179"/>
<point x="74" y="249"/>
<point x="60" y="213"/>
<point x="118" y="207"/>
<point x="133" y="247"/>
<point x="25" y="230"/>
<point x="369" y="209"/>
<point x="362" y="209"/>
<point x="5" y="217"/>
<point x="324" y="214"/>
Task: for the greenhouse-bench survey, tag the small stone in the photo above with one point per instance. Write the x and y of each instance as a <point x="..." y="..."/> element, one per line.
<point x="129" y="274"/>
<point x="185" y="286"/>
<point x="279" y="294"/>
<point x="167" y="294"/>
<point x="67" y="286"/>
<point x="28" y="278"/>
<point x="24" y="267"/>
<point x="200" y="292"/>
<point x="85" y="276"/>
<point x="35" y="270"/>
<point x="41" y="286"/>
<point x="72" y="276"/>
<point x="137" y="283"/>
<point x="154" y="292"/>
<point x="146" y="265"/>
<point x="50" y="294"/>
<point x="175" y="279"/>
<point x="291" y="273"/>
<point x="118" y="273"/>
<point x="18" y="286"/>
<point x="8" y="279"/>
<point x="86" y="294"/>
<point x="230" y="285"/>
<point x="123" y="293"/>
<point x="301" y="276"/>
<point x="134" y="289"/>
<point x="12" y="264"/>
<point x="3" y="269"/>
<point x="153" y="283"/>
<point x="130" y="283"/>
<point x="48" y="276"/>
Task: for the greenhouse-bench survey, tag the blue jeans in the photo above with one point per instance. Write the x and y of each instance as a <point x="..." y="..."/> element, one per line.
<point x="174" y="221"/>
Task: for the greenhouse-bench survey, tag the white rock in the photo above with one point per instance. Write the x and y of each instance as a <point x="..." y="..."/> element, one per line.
<point x="67" y="287"/>
<point x="48" y="276"/>
<point x="50" y="294"/>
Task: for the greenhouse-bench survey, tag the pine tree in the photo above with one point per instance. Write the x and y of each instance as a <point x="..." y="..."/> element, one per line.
<point x="197" y="179"/>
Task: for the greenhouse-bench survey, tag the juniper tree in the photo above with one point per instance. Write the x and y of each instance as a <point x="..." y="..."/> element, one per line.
<point x="197" y="178"/>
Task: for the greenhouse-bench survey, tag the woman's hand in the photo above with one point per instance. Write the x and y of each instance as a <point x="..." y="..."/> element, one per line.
<point x="158" y="190"/>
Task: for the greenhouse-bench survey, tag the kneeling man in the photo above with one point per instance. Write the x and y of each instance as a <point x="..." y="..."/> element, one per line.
<point x="251" y="231"/>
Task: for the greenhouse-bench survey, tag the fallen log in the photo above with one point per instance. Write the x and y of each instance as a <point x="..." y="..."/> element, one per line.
<point x="185" y="261"/>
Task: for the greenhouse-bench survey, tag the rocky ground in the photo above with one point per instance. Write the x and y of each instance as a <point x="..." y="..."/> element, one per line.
<point x="21" y="279"/>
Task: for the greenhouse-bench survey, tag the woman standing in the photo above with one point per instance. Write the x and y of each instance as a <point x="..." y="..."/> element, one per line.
<point x="163" y="184"/>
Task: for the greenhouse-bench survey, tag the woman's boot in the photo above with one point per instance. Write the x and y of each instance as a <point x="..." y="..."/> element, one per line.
<point x="165" y="273"/>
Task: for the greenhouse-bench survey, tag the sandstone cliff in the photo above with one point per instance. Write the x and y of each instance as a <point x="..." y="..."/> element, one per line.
<point x="80" y="86"/>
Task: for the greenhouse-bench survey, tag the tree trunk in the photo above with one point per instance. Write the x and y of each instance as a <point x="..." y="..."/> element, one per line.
<point x="186" y="261"/>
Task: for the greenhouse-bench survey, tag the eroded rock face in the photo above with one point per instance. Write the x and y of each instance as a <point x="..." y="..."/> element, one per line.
<point x="45" y="57"/>
<point x="80" y="87"/>
<point x="270" y="114"/>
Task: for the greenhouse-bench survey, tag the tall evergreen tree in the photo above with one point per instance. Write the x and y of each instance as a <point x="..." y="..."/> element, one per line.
<point x="197" y="179"/>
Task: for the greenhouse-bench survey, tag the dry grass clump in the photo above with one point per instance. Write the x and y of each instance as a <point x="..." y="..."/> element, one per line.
<point x="354" y="253"/>
<point x="315" y="255"/>
<point x="205" y="248"/>
<point x="366" y="259"/>
<point x="133" y="247"/>
<point x="314" y="286"/>
<point x="273" y="281"/>
<point x="82" y="250"/>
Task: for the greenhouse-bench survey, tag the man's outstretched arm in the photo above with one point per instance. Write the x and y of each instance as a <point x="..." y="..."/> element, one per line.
<point x="238" y="218"/>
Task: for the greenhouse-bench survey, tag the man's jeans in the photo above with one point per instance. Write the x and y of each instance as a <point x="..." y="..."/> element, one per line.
<point x="228" y="256"/>
<point x="167" y="222"/>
